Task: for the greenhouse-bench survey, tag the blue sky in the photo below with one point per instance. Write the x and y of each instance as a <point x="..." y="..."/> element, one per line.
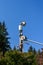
<point x="15" y="11"/>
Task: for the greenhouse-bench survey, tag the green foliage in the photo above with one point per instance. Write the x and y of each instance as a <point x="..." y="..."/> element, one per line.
<point x="17" y="58"/>
<point x="4" y="42"/>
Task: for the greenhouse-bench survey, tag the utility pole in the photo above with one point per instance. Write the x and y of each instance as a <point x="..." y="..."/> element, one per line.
<point x="21" y="36"/>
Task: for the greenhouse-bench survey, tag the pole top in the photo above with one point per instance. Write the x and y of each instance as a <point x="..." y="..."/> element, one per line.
<point x="23" y="23"/>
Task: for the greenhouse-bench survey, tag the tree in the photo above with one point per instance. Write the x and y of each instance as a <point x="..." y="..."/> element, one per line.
<point x="31" y="58"/>
<point x="14" y="57"/>
<point x="14" y="48"/>
<point x="39" y="51"/>
<point x="34" y="51"/>
<point x="4" y="42"/>
<point x="30" y="49"/>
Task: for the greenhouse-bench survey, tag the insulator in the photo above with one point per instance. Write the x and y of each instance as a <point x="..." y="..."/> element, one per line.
<point x="20" y="27"/>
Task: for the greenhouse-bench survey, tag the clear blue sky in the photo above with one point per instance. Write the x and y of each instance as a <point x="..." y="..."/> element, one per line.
<point x="15" y="11"/>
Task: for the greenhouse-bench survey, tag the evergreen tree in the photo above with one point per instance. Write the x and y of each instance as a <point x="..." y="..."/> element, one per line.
<point x="14" y="47"/>
<point x="30" y="49"/>
<point x="34" y="51"/>
<point x="39" y="51"/>
<point x="4" y="42"/>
